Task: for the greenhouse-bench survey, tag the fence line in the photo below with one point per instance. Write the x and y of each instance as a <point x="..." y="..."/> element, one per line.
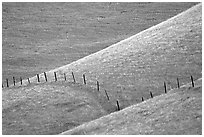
<point x="38" y="78"/>
<point x="84" y="81"/>
<point x="151" y="94"/>
<point x="21" y="80"/>
<point x="118" y="106"/>
<point x="7" y="83"/>
<point x="28" y="81"/>
<point x="97" y="85"/>
<point x="14" y="82"/>
<point x="73" y="77"/>
<point x="178" y="83"/>
<point x="65" y="79"/>
<point x="107" y="95"/>
<point x="45" y="76"/>
<point x="55" y="76"/>
<point x="192" y="81"/>
<point x="165" y="90"/>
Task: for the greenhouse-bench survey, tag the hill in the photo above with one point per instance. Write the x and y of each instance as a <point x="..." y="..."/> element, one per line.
<point x="132" y="68"/>
<point x="128" y="70"/>
<point x="174" y="113"/>
<point x="50" y="108"/>
<point x="38" y="37"/>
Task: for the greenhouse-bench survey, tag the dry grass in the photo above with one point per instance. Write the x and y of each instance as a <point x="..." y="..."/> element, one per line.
<point x="128" y="70"/>
<point x="177" y="112"/>
<point x="50" y="108"/>
<point x="34" y="34"/>
<point x="135" y="66"/>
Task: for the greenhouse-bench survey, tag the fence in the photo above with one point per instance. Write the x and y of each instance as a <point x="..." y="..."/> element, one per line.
<point x="85" y="83"/>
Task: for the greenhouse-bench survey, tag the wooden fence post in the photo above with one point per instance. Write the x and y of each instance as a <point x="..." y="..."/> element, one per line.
<point x="178" y="83"/>
<point x="65" y="77"/>
<point x="55" y="76"/>
<point x="45" y="76"/>
<point x="84" y="79"/>
<point x="14" y="82"/>
<point x="165" y="87"/>
<point x="73" y="77"/>
<point x="192" y="81"/>
<point x="151" y="94"/>
<point x="97" y="85"/>
<point x="38" y="77"/>
<point x="28" y="81"/>
<point x="118" y="106"/>
<point x="7" y="83"/>
<point x="106" y="95"/>
<point x="21" y="80"/>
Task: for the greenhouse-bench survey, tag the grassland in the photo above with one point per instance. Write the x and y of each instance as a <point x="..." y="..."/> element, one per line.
<point x="50" y="108"/>
<point x="38" y="37"/>
<point x="132" y="68"/>
<point x="128" y="70"/>
<point x="179" y="112"/>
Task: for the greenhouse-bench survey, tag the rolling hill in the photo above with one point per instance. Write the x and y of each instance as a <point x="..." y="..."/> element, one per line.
<point x="38" y="37"/>
<point x="135" y="66"/>
<point x="128" y="70"/>
<point x="179" y="112"/>
<point x="50" y="108"/>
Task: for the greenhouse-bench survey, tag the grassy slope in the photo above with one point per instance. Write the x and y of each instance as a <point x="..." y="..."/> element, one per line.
<point x="50" y="108"/>
<point x="34" y="34"/>
<point x="115" y="61"/>
<point x="177" y="112"/>
<point x="131" y="68"/>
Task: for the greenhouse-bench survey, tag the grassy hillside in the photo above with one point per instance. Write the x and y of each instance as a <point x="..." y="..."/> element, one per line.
<point x="135" y="66"/>
<point x="38" y="37"/>
<point x="128" y="70"/>
<point x="177" y="112"/>
<point x="50" y="108"/>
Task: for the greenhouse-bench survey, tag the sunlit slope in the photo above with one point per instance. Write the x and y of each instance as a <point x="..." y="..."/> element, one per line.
<point x="177" y="112"/>
<point x="131" y="68"/>
<point x="38" y="37"/>
<point x="50" y="108"/>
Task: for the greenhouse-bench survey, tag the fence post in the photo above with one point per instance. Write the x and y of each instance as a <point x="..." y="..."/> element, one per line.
<point x="7" y="83"/>
<point x="14" y="82"/>
<point x="73" y="77"/>
<point x="118" y="106"/>
<point x="97" y="85"/>
<point x="55" y="76"/>
<point x="84" y="79"/>
<point x="38" y="77"/>
<point x="178" y="83"/>
<point x="106" y="95"/>
<point x="142" y="99"/>
<point x="165" y="87"/>
<point x="192" y="81"/>
<point x="65" y="77"/>
<point x="45" y="76"/>
<point x="21" y="80"/>
<point x="151" y="94"/>
<point x="28" y="81"/>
